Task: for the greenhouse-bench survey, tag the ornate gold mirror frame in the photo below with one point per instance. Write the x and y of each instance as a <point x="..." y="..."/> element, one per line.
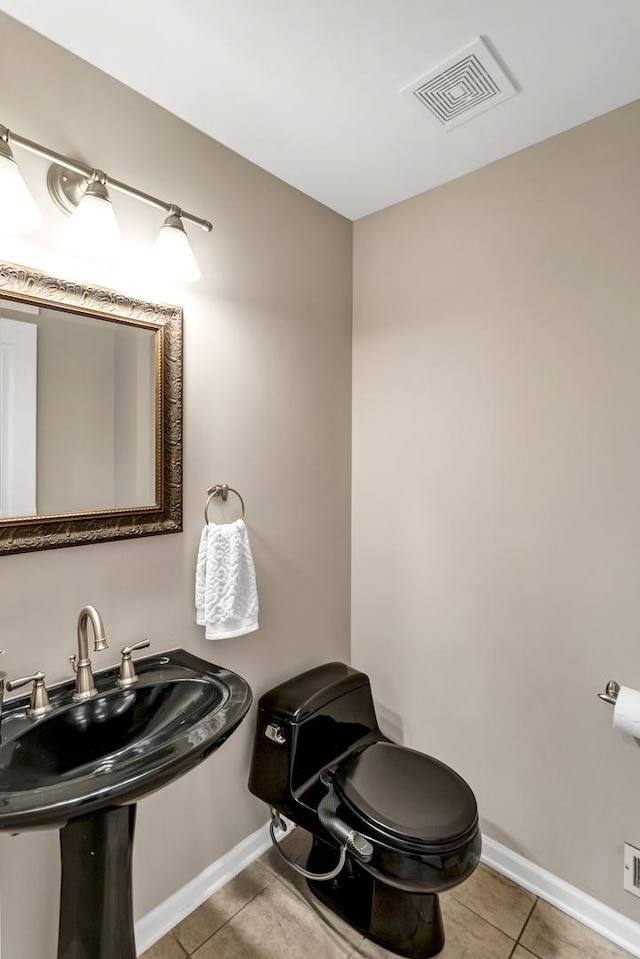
<point x="26" y="533"/>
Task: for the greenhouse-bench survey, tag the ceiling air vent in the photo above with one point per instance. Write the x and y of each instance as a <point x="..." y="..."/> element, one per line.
<point x="461" y="87"/>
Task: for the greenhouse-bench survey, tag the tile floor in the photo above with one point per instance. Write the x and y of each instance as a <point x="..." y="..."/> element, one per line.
<point x="266" y="912"/>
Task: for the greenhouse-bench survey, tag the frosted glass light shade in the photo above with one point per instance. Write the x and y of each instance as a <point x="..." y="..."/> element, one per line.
<point x="172" y="253"/>
<point x="18" y="210"/>
<point x="92" y="229"/>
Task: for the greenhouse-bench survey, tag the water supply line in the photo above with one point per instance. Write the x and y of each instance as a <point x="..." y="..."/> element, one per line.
<point x="277" y="821"/>
<point x="347" y="838"/>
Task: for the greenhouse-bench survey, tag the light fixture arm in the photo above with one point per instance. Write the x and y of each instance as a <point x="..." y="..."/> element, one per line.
<point x="89" y="173"/>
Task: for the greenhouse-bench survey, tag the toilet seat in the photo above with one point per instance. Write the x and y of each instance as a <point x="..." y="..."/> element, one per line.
<point x="406" y="798"/>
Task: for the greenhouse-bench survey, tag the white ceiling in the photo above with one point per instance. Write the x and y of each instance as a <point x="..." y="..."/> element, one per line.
<point x="308" y="89"/>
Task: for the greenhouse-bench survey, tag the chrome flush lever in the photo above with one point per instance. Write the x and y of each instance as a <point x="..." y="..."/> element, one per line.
<point x="275" y="734"/>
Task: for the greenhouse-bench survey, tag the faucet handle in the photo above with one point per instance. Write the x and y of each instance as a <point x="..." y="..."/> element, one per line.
<point x="39" y="705"/>
<point x="127" y="650"/>
<point x="128" y="675"/>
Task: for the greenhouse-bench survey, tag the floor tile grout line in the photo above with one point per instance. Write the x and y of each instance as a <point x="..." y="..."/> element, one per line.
<point x="189" y="955"/>
<point x="274" y="876"/>
<point x="518" y="945"/>
<point x="172" y="935"/>
<point x="492" y="924"/>
<point x="291" y="891"/>
<point x="313" y="906"/>
<point x="537" y="900"/>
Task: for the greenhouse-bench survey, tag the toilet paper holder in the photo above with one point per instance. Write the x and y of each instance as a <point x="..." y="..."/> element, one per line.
<point x="610" y="694"/>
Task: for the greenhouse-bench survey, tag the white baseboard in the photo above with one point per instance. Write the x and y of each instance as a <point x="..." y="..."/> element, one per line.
<point x="587" y="910"/>
<point x="177" y="907"/>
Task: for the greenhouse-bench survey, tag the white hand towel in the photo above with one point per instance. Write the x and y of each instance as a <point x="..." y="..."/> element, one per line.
<point x="226" y="594"/>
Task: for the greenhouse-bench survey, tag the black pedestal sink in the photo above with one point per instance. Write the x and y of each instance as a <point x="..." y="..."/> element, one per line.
<point x="82" y="768"/>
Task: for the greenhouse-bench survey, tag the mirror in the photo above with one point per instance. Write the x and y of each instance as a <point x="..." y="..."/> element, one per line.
<point x="90" y="414"/>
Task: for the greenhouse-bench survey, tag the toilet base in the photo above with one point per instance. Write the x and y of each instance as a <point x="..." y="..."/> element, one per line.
<point x="409" y="924"/>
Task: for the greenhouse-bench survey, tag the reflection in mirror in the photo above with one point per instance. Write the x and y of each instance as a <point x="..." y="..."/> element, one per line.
<point x="90" y="413"/>
<point x="77" y="413"/>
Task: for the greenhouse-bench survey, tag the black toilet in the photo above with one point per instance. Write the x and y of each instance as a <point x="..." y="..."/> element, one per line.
<point x="406" y="824"/>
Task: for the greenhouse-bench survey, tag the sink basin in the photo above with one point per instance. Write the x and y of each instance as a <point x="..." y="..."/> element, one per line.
<point x="117" y="747"/>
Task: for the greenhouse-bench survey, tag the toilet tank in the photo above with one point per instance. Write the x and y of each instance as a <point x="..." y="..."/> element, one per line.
<point x="305" y="724"/>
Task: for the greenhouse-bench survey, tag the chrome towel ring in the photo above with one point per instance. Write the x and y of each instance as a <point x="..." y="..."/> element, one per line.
<point x="223" y="490"/>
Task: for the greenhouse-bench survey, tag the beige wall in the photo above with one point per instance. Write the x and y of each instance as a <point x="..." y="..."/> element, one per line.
<point x="267" y="378"/>
<point x="496" y="506"/>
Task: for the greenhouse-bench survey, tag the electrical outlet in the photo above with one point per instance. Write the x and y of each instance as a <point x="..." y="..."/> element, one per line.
<point x="632" y="869"/>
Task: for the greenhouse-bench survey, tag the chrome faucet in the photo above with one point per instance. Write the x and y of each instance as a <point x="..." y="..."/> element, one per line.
<point x="85" y="687"/>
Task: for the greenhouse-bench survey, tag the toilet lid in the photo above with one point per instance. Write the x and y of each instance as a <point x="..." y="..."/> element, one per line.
<point x="406" y="794"/>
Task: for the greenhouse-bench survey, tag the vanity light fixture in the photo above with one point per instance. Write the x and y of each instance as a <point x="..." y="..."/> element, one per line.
<point x="19" y="212"/>
<point x="92" y="225"/>
<point x="82" y="192"/>
<point x="172" y="250"/>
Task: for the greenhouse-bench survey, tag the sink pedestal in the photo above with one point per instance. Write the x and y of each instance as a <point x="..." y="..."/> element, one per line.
<point x="96" y="913"/>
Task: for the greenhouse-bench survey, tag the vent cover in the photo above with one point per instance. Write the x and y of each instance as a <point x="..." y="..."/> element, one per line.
<point x="461" y="87"/>
<point x="632" y="869"/>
